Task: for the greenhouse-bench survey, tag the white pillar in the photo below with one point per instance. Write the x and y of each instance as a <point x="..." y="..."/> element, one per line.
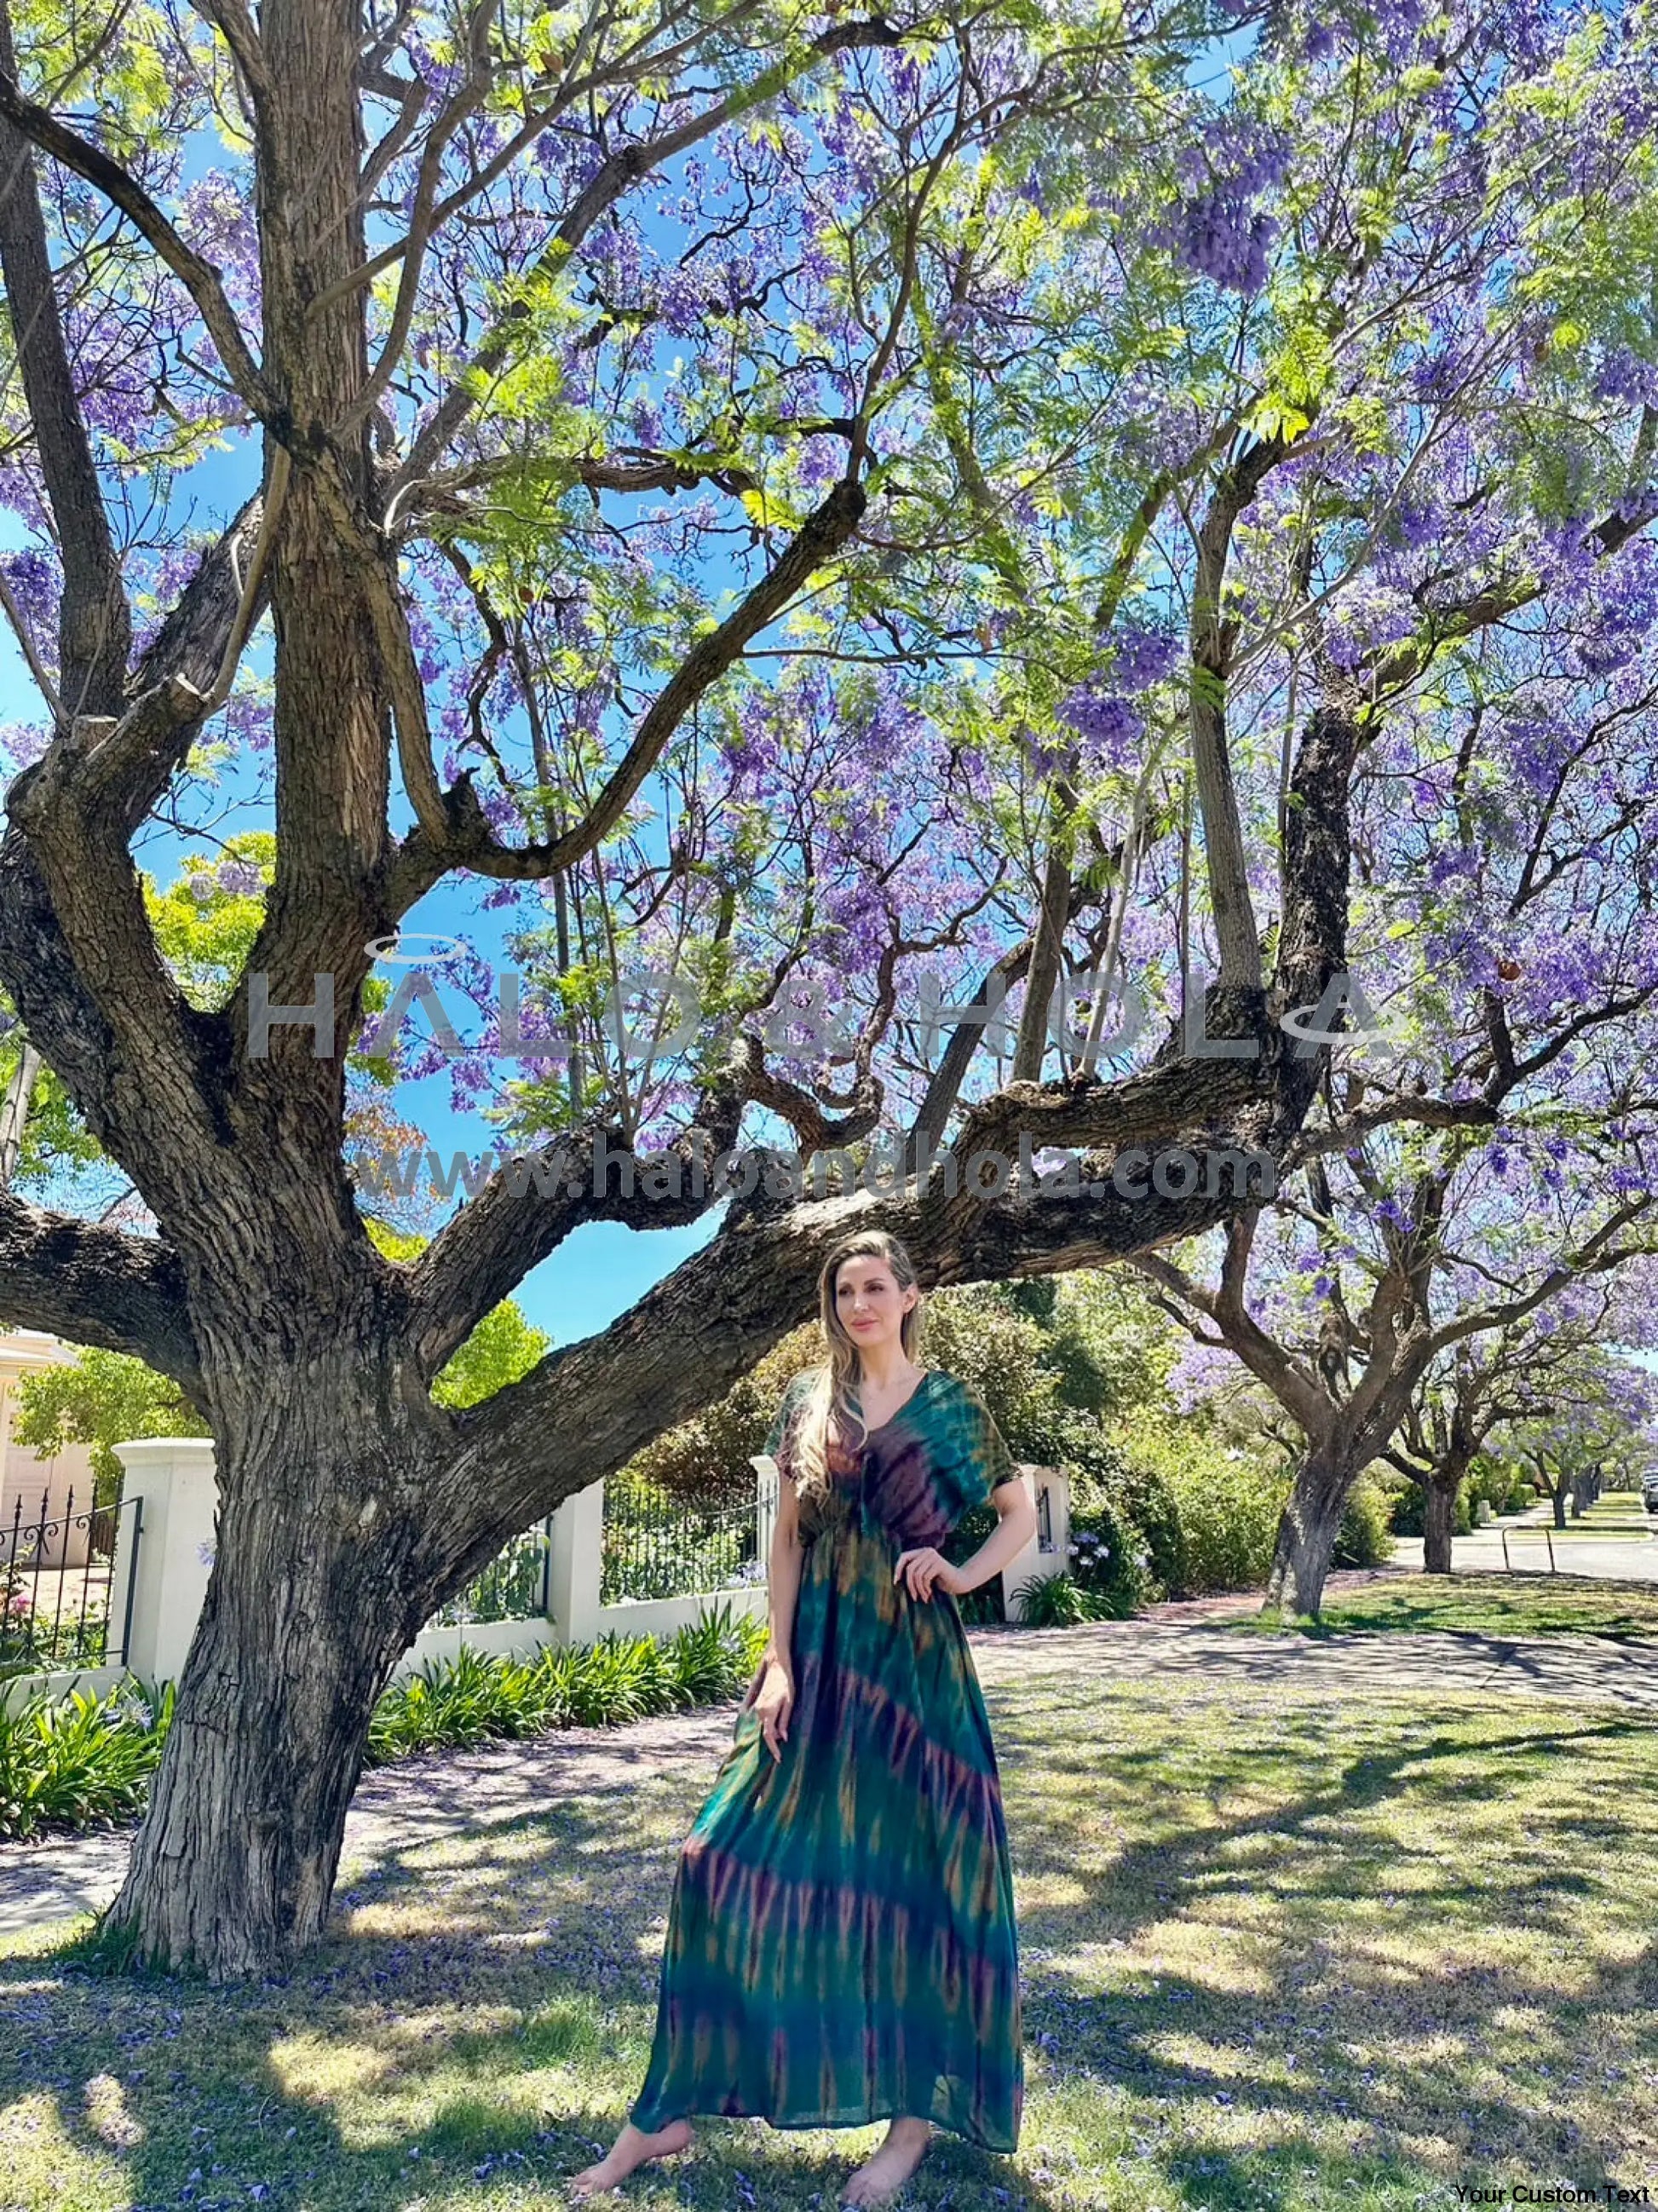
<point x="1033" y="1564"/>
<point x="767" y="1478"/>
<point x="174" y="1478"/>
<point x="575" y="1565"/>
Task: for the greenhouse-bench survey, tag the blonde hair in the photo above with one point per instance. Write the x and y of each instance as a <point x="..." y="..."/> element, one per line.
<point x="830" y="1394"/>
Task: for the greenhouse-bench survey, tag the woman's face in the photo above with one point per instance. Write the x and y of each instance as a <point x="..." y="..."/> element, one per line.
<point x="869" y="1304"/>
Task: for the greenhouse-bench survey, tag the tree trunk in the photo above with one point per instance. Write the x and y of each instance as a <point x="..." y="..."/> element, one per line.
<point x="319" y="1584"/>
<point x="1307" y="1533"/>
<point x="1439" y="1520"/>
<point x="1558" y="1500"/>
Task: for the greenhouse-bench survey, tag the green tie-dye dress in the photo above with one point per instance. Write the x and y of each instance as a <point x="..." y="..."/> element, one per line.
<point x="841" y="1943"/>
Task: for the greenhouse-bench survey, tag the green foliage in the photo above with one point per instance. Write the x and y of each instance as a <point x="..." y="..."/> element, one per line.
<point x="1229" y="1503"/>
<point x="205" y="932"/>
<point x="472" y="1698"/>
<point x="1408" y="1510"/>
<point x="1363" y="1539"/>
<point x="82" y="1760"/>
<point x="101" y="1399"/>
<point x="1111" y="1561"/>
<point x="1060" y="1601"/>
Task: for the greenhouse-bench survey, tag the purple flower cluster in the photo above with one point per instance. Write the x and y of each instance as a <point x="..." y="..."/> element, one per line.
<point x="34" y="581"/>
<point x="1141" y="658"/>
<point x="1109" y="726"/>
<point x="1623" y="374"/>
<point x="1217" y="231"/>
<point x="1219" y="239"/>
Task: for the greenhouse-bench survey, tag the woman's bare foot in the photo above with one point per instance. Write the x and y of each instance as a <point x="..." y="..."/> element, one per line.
<point x="631" y="2148"/>
<point x="885" y="2171"/>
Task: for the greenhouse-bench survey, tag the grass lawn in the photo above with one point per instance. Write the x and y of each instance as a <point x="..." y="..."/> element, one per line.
<point x="1486" y="1605"/>
<point x="1278" y="1952"/>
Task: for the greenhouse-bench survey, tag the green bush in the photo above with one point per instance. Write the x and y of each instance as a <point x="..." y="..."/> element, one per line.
<point x="81" y="1761"/>
<point x="1110" y="1562"/>
<point x="1406" y="1513"/>
<point x="1363" y="1539"/>
<point x="1128" y="1547"/>
<point x="1059" y="1601"/>
<point x="1406" y="1510"/>
<point x="84" y="1761"/>
<point x="1230" y="1511"/>
<point x="618" y="1678"/>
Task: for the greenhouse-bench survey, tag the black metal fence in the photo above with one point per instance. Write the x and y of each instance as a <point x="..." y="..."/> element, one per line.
<point x="653" y="1546"/>
<point x="514" y="1586"/>
<point x="656" y="1546"/>
<point x="55" y="1614"/>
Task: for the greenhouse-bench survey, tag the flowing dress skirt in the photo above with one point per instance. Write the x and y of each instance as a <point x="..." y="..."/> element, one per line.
<point x="840" y="1944"/>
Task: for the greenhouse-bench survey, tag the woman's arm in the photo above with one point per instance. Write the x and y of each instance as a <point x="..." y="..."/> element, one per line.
<point x="1017" y="1525"/>
<point x="783" y="1575"/>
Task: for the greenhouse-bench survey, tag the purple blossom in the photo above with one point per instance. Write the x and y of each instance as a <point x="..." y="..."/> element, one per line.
<point x="1109" y="726"/>
<point x="1140" y="657"/>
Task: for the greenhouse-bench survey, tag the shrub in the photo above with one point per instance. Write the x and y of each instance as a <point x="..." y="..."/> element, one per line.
<point x="1363" y="1539"/>
<point x="1406" y="1510"/>
<point x="603" y="1685"/>
<point x="84" y="1761"/>
<point x="1110" y="1562"/>
<point x="1230" y="1514"/>
<point x="81" y="1761"/>
<point x="1058" y="1602"/>
<point x="1128" y="1506"/>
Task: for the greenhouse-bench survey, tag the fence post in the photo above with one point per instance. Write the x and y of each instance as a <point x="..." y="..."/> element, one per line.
<point x="159" y="1583"/>
<point x="575" y="1566"/>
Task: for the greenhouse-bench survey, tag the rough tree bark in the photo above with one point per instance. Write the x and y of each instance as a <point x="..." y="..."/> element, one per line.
<point x="351" y="1506"/>
<point x="1309" y="1527"/>
<point x="1439" y="1513"/>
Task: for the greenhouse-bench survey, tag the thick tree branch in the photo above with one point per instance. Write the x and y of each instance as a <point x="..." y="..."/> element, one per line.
<point x="91" y="1285"/>
<point x="95" y="620"/>
<point x="1210" y="647"/>
<point x="200" y="278"/>
<point x="451" y="829"/>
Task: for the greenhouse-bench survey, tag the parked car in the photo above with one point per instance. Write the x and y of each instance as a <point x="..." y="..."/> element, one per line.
<point x="1649" y="1491"/>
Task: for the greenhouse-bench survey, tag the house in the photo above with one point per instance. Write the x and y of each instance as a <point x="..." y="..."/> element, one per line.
<point x="34" y="1490"/>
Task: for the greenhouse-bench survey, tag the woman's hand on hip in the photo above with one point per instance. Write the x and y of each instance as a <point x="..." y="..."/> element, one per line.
<point x="923" y="1571"/>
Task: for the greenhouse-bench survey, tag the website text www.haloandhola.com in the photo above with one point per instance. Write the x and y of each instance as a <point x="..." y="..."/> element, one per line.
<point x="560" y="1170"/>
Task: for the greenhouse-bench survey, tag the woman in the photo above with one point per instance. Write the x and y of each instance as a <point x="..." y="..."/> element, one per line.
<point x="841" y="1943"/>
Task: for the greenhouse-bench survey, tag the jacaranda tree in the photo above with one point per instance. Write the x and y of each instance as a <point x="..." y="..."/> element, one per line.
<point x="873" y="512"/>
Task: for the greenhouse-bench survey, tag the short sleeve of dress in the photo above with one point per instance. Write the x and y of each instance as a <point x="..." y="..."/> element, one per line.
<point x="983" y="1462"/>
<point x="785" y="1413"/>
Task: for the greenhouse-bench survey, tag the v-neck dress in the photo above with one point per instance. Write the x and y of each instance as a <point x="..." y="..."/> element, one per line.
<point x="841" y="1943"/>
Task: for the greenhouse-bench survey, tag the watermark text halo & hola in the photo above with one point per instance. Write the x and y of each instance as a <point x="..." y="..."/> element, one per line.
<point x="781" y="1021"/>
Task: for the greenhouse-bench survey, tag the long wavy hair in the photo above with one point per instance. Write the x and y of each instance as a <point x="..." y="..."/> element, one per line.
<point x="828" y="1399"/>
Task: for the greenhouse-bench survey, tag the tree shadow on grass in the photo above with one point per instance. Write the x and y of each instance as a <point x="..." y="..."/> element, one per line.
<point x="484" y="2004"/>
<point x="1324" y="1921"/>
<point x="545" y="1931"/>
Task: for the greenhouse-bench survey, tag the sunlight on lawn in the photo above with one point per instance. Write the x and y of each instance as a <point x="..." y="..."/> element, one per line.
<point x="1290" y="1956"/>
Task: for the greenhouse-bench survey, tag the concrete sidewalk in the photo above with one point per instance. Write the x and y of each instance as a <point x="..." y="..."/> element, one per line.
<point x="444" y="1793"/>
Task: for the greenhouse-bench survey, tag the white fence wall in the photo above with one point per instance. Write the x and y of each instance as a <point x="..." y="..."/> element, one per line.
<point x="173" y="1479"/>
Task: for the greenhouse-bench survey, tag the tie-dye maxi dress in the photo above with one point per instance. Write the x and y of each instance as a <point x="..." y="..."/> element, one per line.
<point x="841" y="1943"/>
